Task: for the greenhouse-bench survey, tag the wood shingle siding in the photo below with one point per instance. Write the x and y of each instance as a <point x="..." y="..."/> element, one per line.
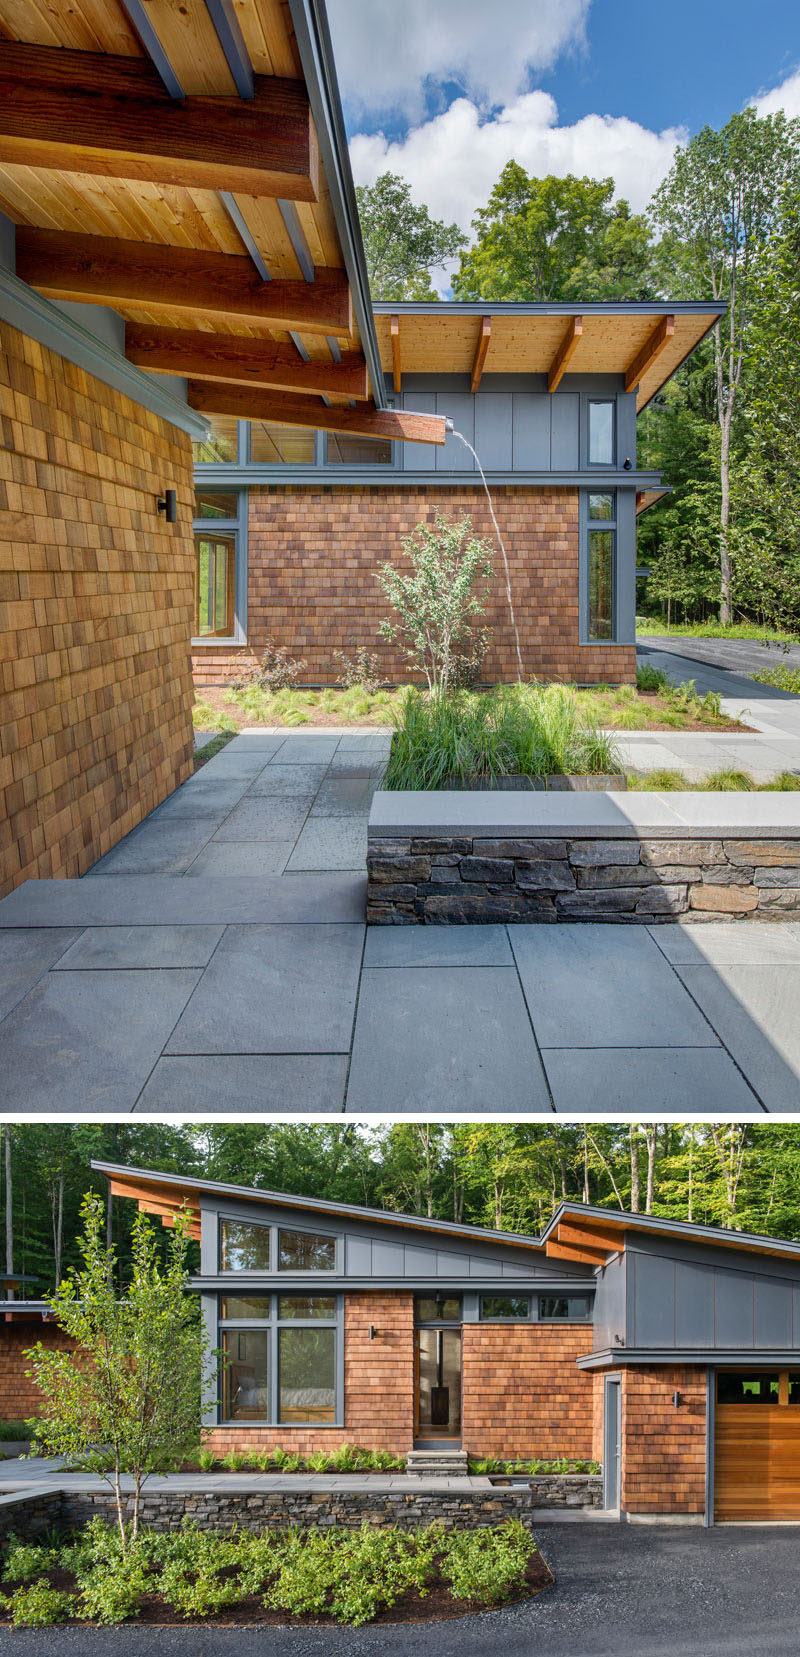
<point x="96" y="602"/>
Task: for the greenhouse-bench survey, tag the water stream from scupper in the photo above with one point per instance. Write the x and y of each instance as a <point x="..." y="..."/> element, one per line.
<point x="468" y="445"/>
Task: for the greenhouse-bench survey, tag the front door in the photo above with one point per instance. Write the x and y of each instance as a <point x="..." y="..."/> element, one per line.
<point x="437" y="1390"/>
<point x="612" y="1436"/>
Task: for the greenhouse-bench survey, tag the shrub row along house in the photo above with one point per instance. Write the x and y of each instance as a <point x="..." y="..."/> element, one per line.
<point x="180" y="259"/>
<point x="668" y="1351"/>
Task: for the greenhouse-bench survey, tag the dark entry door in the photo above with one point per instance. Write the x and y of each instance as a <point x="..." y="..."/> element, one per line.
<point x="438" y="1383"/>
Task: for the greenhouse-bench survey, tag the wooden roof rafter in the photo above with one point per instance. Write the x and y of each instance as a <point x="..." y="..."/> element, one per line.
<point x="113" y="117"/>
<point x="163" y="1206"/>
<point x="656" y="342"/>
<point x="481" y="349"/>
<point x="565" y="352"/>
<point x="243" y="403"/>
<point x="582" y="1255"/>
<point x="234" y="359"/>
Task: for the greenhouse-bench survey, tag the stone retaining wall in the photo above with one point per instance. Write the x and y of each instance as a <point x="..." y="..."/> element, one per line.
<point x="27" y="1513"/>
<point x="567" y="1490"/>
<point x="276" y="1509"/>
<point x="459" y="878"/>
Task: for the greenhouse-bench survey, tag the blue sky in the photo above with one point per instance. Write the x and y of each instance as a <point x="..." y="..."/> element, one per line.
<point x="444" y="92"/>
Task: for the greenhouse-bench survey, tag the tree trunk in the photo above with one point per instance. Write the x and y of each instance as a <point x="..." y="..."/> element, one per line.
<point x="650" y="1134"/>
<point x="725" y="607"/>
<point x="9" y="1205"/>
<point x="59" y="1223"/>
<point x="634" y="1137"/>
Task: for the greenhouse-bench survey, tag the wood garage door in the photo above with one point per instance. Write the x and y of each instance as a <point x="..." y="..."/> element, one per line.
<point x="757" y="1446"/>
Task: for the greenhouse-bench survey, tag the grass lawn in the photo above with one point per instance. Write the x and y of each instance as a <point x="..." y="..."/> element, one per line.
<point x="648" y="625"/>
<point x="620" y="708"/>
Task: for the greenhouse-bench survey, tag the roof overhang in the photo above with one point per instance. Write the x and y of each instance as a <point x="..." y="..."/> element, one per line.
<point x="617" y="1357"/>
<point x="642" y="342"/>
<point x="607" y="1231"/>
<point x="187" y="167"/>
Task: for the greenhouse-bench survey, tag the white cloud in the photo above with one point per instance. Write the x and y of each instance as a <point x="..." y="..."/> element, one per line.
<point x="786" y="96"/>
<point x="387" y="50"/>
<point x="452" y="162"/>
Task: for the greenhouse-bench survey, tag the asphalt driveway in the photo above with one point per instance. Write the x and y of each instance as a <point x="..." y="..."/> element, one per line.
<point x="622" y="1591"/>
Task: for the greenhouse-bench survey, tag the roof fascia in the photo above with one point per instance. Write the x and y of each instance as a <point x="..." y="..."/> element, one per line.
<point x="523" y="307"/>
<point x="290" y="1283"/>
<point x="750" y="1242"/>
<point x="745" y="1358"/>
<point x="316" y="56"/>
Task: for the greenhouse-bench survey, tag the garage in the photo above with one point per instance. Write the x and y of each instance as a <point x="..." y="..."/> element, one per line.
<point x="757" y="1445"/>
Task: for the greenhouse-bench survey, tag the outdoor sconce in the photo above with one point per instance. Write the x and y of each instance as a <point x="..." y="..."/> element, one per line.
<point x="677" y="1399"/>
<point x="627" y="464"/>
<point x="372" y="1331"/>
<point x="168" y="504"/>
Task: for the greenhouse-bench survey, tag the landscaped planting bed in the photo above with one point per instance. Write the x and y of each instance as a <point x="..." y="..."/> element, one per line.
<point x="307" y="1577"/>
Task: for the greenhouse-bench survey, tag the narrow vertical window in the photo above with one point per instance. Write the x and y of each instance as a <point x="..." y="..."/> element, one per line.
<point x="601" y="567"/>
<point x="601" y="434"/>
<point x="215" y="586"/>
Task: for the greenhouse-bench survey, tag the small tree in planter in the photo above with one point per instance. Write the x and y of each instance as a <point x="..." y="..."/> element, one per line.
<point x="436" y="603"/>
<point x="129" y="1397"/>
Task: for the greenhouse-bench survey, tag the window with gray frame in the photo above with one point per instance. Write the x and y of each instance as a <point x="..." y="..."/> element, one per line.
<point x="602" y="432"/>
<point x="601" y="566"/>
<point x="282" y="1359"/>
<point x="565" y="1308"/>
<point x="262" y="1246"/>
<point x="220" y="572"/>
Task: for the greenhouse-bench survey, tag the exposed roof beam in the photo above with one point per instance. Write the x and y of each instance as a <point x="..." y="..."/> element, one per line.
<point x="137" y="12"/>
<point x="231" y="39"/>
<point x="582" y="1236"/>
<point x="297" y="237"/>
<point x="480" y="352"/>
<point x="111" y="117"/>
<point x="397" y="367"/>
<point x="101" y="270"/>
<point x="230" y="358"/>
<point x="566" y="350"/>
<point x="238" y="219"/>
<point x="652" y="348"/>
<point x="245" y="404"/>
<point x="582" y="1256"/>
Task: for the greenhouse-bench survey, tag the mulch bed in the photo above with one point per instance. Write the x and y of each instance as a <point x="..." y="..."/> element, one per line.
<point x="438" y="1605"/>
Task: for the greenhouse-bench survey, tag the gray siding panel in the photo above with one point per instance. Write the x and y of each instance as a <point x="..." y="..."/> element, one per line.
<point x="773" y="1313"/>
<point x="694" y="1306"/>
<point x="387" y="1259"/>
<point x="479" y="1266"/>
<point x="735" y="1322"/>
<point x="450" y="1265"/>
<point x="654" y="1301"/>
<point x="531" y="432"/>
<point x="358" y="1256"/>
<point x="564" y="420"/>
<point x="610" y="1305"/>
<point x="494" y="430"/>
<point x="419" y="1262"/>
<point x="459" y="406"/>
<point x="419" y="457"/>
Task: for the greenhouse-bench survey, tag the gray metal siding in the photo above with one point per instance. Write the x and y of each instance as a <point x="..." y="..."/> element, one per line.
<point x="564" y="432"/>
<point x="694" y="1310"/>
<point x="530" y="430"/>
<point x="684" y="1304"/>
<point x="515" y="424"/>
<point x="610" y="1321"/>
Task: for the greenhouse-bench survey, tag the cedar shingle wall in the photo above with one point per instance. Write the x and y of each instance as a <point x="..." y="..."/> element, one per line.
<point x="663" y="1448"/>
<point x="313" y="552"/>
<point x="522" y="1394"/>
<point x="96" y="598"/>
<point x="19" y="1395"/>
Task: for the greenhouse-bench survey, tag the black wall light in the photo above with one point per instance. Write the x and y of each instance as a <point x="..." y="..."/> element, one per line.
<point x="168" y="504"/>
<point x="372" y="1331"/>
<point x="677" y="1399"/>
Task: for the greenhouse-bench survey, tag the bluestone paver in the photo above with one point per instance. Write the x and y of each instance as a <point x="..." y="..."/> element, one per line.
<point x="108" y="947"/>
<point x="275" y="989"/>
<point x="756" y="1011"/>
<point x="699" y="1081"/>
<point x="725" y="941"/>
<point x="263" y="817"/>
<point x="253" y="858"/>
<point x="289" y="780"/>
<point x="144" y="900"/>
<point x="343" y="797"/>
<point x="591" y="985"/>
<point x="287" y="1084"/>
<point x="87" y="1041"/>
<point x="24" y="956"/>
<point x="331" y="843"/>
<point x="455" y="1040"/>
<point x="437" y="946"/>
<point x="155" y="848"/>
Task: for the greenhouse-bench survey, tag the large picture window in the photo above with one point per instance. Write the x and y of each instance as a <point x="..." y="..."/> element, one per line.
<point x="244" y="1247"/>
<point x="282" y="1357"/>
<point x="306" y="1251"/>
<point x="221" y="446"/>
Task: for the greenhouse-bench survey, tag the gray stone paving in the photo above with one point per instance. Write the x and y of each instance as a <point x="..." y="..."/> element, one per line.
<point x="240" y="977"/>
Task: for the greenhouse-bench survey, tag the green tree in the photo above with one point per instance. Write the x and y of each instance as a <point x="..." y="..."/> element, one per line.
<point x="436" y="602"/>
<point x="402" y="243"/>
<point x="555" y="239"/>
<point x="716" y="209"/>
<point x="128" y="1397"/>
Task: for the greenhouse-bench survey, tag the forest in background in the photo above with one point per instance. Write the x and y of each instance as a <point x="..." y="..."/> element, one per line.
<point x="725" y="430"/>
<point x="510" y="1176"/>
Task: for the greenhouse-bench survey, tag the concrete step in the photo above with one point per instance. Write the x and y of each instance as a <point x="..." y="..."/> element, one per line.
<point x="153" y="900"/>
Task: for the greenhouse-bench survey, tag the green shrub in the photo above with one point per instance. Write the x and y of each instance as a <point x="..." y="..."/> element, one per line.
<point x="234" y="1461"/>
<point x="469" y="736"/>
<point x="346" y="1459"/>
<point x="206" y="1459"/>
<point x="783" y="678"/>
<point x="39" y="1606"/>
<point x="111" y="1592"/>
<point x="786" y="782"/>
<point x="23" y="1560"/>
<point x="651" y="678"/>
<point x="487" y="1565"/>
<point x="319" y="1462"/>
<point x="728" y="780"/>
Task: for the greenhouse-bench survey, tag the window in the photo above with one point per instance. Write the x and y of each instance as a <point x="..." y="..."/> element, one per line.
<point x="245" y="1376"/>
<point x="346" y="450"/>
<point x="437" y="1308"/>
<point x="602" y="506"/>
<point x="601" y="584"/>
<point x="306" y="1251"/>
<point x="244" y="1247"/>
<point x="735" y="1386"/>
<point x="215" y="586"/>
<point x="216" y="503"/>
<point x="307" y="1359"/>
<point x="505" y="1306"/>
<point x="284" y="1369"/>
<point x="272" y="445"/>
<point x="601" y="434"/>
<point x="566" y="1308"/>
<point x="221" y="445"/>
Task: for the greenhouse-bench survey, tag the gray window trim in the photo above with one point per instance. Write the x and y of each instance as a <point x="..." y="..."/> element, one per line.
<point x="599" y="465"/>
<point x="438" y="1323"/>
<point x="580" y="1294"/>
<point x="585" y="526"/>
<point x="238" y="528"/>
<point x="272" y="1325"/>
<point x="500" y="1295"/>
<point x="251" y="1278"/>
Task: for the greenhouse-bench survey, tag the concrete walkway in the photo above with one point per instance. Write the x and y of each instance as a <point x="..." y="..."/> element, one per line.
<point x="771" y="745"/>
<point x="217" y="961"/>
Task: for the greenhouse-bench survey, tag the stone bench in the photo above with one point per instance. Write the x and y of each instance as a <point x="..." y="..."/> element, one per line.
<point x="452" y="857"/>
